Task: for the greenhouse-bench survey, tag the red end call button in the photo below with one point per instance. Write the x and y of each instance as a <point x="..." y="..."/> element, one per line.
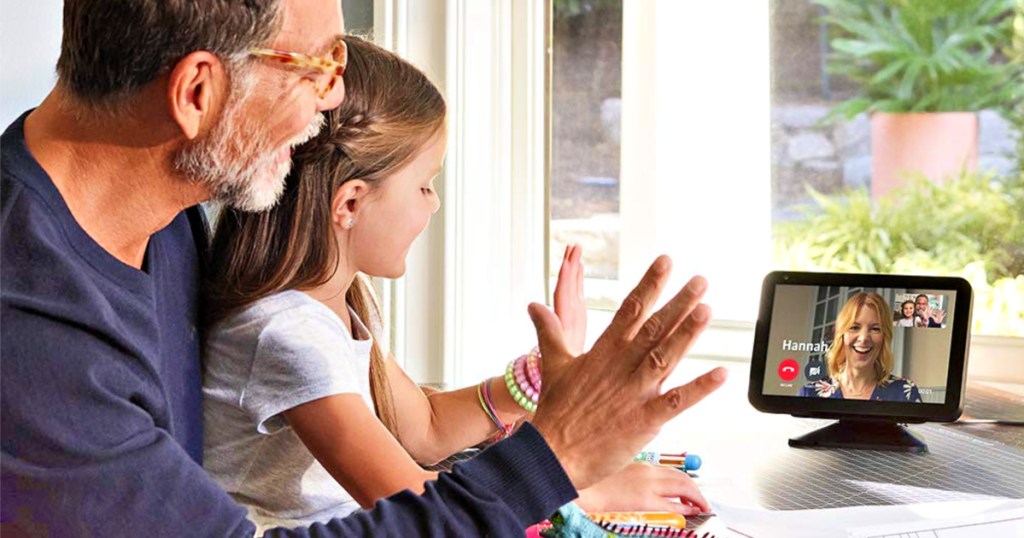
<point x="788" y="369"/>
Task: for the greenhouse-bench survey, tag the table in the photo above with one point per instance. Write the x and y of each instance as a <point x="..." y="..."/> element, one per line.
<point x="746" y="454"/>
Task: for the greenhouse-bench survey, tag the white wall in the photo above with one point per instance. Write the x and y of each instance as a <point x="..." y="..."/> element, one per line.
<point x="29" y="46"/>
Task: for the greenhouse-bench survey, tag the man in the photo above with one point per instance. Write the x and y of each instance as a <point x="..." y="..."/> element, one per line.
<point x="159" y="106"/>
<point x="926" y="315"/>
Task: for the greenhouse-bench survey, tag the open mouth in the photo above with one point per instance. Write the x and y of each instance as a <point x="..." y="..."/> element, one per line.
<point x="863" y="350"/>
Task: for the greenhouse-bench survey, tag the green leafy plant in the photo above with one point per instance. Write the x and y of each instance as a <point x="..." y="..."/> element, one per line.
<point x="1014" y="111"/>
<point x="999" y="305"/>
<point x="972" y="226"/>
<point x="922" y="55"/>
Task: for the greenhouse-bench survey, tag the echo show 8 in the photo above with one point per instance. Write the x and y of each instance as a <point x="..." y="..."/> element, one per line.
<point x="861" y="347"/>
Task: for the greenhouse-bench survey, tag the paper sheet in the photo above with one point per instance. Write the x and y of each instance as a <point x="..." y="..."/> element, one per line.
<point x="1008" y="523"/>
<point x="760" y="523"/>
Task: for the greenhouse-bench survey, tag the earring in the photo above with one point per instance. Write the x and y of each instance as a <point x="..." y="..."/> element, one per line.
<point x="350" y="223"/>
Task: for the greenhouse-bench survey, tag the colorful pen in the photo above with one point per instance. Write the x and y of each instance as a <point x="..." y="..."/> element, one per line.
<point x="683" y="461"/>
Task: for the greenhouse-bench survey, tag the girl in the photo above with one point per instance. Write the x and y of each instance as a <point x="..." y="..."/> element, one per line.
<point x="306" y="417"/>
<point x="907" y="318"/>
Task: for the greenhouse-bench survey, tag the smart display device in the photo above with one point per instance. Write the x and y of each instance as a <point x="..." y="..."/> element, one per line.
<point x="873" y="351"/>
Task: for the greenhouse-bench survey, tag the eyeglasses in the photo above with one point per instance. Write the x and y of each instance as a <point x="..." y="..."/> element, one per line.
<point x="330" y="68"/>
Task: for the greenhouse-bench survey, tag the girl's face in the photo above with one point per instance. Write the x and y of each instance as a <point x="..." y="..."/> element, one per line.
<point x="863" y="340"/>
<point x="397" y="213"/>
<point x="908" y="310"/>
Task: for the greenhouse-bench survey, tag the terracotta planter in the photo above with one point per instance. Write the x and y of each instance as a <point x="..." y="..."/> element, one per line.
<point x="935" y="144"/>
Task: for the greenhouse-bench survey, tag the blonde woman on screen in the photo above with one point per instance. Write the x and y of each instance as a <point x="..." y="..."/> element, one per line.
<point x="860" y="358"/>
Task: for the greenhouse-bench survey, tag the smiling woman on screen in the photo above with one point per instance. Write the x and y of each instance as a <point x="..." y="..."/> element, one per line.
<point x="860" y="358"/>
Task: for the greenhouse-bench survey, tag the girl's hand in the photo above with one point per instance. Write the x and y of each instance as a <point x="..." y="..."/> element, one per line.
<point x="570" y="307"/>
<point x="642" y="487"/>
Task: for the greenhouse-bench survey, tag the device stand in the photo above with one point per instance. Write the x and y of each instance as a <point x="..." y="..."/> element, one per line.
<point x="864" y="435"/>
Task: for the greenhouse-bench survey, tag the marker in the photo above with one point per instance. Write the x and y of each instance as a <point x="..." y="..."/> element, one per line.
<point x="683" y="462"/>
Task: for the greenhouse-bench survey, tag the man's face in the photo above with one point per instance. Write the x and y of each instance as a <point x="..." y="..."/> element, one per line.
<point x="244" y="158"/>
<point x="921" y="306"/>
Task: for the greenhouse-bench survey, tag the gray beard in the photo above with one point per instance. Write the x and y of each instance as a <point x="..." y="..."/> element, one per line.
<point x="236" y="161"/>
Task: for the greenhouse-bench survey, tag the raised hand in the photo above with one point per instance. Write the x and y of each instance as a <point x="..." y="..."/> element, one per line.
<point x="601" y="408"/>
<point x="570" y="306"/>
<point x="643" y="487"/>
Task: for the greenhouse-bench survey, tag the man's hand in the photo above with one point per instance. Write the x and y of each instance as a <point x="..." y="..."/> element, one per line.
<point x="600" y="409"/>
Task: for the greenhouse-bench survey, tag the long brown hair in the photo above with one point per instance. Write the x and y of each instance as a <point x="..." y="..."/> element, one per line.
<point x="390" y="111"/>
<point x="836" y="358"/>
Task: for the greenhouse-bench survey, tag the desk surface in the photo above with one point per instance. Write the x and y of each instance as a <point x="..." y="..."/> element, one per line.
<point x="747" y="451"/>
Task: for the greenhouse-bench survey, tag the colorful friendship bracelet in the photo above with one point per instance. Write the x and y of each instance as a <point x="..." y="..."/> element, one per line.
<point x="506" y="429"/>
<point x="488" y="408"/>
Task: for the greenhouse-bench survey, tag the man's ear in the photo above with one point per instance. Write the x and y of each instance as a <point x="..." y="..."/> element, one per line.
<point x="197" y="89"/>
<point x="348" y="203"/>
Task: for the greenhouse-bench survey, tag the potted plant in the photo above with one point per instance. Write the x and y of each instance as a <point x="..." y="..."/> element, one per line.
<point x="924" y="69"/>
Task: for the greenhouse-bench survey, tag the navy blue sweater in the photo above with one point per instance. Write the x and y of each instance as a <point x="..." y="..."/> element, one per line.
<point x="101" y="401"/>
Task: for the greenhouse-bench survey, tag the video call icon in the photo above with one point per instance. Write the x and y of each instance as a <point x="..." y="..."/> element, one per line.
<point x="814" y="370"/>
<point x="788" y="369"/>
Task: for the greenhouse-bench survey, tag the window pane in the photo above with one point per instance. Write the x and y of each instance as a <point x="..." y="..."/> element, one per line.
<point x="358" y="16"/>
<point x="881" y="166"/>
<point x="669" y="154"/>
<point x="586" y="95"/>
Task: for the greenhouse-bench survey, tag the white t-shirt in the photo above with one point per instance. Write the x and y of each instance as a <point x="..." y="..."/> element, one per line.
<point x="280" y="352"/>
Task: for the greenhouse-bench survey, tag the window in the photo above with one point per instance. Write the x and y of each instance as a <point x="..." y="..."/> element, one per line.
<point x="673" y="130"/>
<point x="894" y="147"/>
<point x="680" y="106"/>
<point x="358" y="16"/>
<point x="586" y="123"/>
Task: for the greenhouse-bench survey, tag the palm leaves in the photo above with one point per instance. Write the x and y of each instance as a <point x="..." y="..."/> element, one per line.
<point x="922" y="55"/>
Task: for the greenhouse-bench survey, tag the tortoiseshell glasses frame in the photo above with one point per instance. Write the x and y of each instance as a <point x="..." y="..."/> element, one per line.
<point x="331" y="68"/>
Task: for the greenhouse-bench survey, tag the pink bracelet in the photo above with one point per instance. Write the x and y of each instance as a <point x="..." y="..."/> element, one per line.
<point x="515" y="387"/>
<point x="524" y="385"/>
<point x="533" y="371"/>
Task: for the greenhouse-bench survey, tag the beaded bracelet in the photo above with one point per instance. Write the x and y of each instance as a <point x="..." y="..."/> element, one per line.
<point x="525" y="386"/>
<point x="533" y="370"/>
<point x="514" y="389"/>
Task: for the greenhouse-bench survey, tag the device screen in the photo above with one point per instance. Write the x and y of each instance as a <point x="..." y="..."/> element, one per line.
<point x="860" y="343"/>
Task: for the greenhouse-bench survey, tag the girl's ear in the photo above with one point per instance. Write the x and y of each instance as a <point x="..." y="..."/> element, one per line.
<point x="348" y="202"/>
